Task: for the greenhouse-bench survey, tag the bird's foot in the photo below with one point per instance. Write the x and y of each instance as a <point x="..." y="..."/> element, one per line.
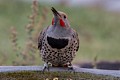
<point x="46" y="67"/>
<point x="70" y="68"/>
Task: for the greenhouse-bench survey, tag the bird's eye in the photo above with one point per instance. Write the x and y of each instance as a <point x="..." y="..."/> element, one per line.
<point x="64" y="17"/>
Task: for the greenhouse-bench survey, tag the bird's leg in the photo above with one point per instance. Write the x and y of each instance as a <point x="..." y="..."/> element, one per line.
<point x="70" y="67"/>
<point x="46" y="66"/>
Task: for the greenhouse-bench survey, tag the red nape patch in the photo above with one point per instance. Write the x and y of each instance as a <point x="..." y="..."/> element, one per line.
<point x="62" y="23"/>
<point x="52" y="21"/>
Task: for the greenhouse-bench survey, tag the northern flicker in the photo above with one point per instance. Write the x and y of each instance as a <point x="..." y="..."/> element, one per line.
<point x="58" y="43"/>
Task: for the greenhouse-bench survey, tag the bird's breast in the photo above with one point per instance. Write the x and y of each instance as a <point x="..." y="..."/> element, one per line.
<point x="57" y="43"/>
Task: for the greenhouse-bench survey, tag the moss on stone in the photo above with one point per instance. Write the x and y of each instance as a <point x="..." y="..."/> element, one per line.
<point x="61" y="75"/>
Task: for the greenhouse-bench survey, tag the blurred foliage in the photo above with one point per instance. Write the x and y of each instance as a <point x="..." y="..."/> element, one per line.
<point x="98" y="31"/>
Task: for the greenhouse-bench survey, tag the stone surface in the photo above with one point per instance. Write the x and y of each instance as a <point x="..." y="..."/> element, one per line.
<point x="35" y="73"/>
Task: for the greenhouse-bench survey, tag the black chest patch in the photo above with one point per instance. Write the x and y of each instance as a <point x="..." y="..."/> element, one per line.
<point x="57" y="43"/>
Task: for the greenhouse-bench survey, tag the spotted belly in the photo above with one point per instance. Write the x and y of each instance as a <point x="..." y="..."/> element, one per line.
<point x="57" y="56"/>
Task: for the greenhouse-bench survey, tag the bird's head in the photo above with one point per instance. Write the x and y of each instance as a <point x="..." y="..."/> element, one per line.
<point x="59" y="19"/>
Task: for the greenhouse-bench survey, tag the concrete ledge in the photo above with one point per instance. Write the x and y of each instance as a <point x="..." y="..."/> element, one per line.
<point x="35" y="73"/>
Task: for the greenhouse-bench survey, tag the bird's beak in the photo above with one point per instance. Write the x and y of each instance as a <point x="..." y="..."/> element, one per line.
<point x="56" y="15"/>
<point x="55" y="12"/>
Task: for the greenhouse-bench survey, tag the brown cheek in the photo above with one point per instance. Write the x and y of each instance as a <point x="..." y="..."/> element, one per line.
<point x="62" y="23"/>
<point x="52" y="21"/>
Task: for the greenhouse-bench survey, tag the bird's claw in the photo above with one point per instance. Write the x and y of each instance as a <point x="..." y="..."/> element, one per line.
<point x="45" y="67"/>
<point x="70" y="68"/>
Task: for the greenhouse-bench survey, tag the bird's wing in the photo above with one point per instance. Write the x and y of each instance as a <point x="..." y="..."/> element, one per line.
<point x="77" y="39"/>
<point x="40" y="37"/>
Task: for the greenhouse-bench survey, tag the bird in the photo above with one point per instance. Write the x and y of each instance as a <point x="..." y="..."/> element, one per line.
<point x="58" y="43"/>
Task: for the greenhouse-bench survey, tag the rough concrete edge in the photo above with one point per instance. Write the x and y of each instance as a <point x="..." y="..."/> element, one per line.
<point x="114" y="74"/>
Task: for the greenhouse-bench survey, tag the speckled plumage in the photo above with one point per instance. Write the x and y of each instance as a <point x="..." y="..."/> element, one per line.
<point x="58" y="56"/>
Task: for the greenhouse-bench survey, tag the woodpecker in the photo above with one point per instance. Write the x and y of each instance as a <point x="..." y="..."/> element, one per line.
<point x="58" y="43"/>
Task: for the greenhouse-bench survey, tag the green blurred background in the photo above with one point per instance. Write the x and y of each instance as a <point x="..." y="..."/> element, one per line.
<point x="99" y="31"/>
